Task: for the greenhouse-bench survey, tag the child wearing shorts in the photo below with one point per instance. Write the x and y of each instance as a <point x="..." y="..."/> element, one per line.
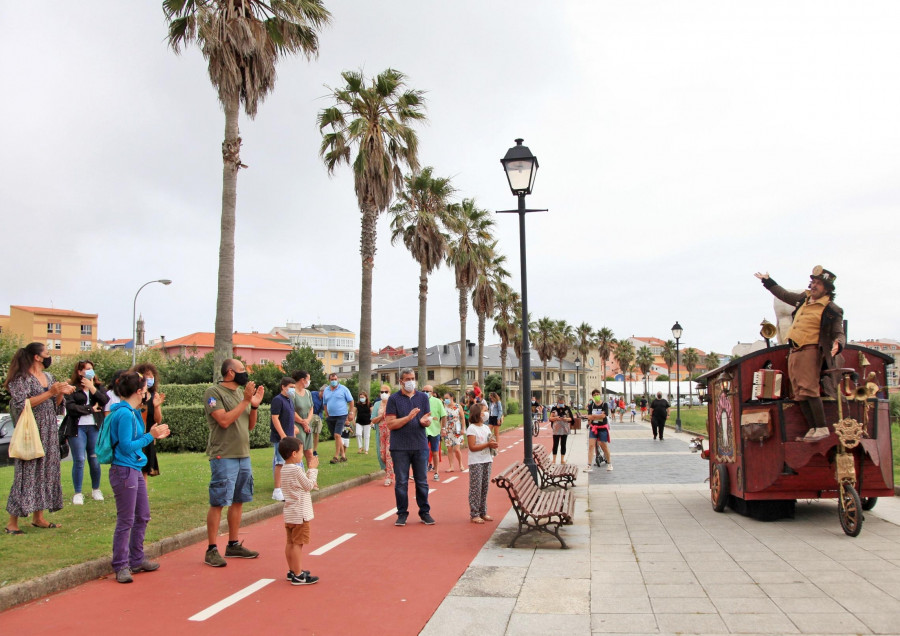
<point x="298" y="510"/>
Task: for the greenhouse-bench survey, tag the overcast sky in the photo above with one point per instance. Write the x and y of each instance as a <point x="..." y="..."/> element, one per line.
<point x="682" y="147"/>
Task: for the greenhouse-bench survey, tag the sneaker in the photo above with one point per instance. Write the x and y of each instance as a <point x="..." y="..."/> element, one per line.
<point x="124" y="576"/>
<point x="815" y="434"/>
<point x="588" y="469"/>
<point x="304" y="579"/>
<point x="387" y="482"/>
<point x="214" y="559"/>
<point x="78" y="499"/>
<point x="145" y="566"/>
<point x="609" y="468"/>
<point x="427" y="519"/>
<point x="291" y="574"/>
<point x="401" y="521"/>
<point x="437" y="477"/>
<point x="96" y="495"/>
<point x="238" y="551"/>
<point x="277" y="495"/>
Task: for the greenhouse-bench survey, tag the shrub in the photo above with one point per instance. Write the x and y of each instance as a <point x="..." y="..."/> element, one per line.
<point x="190" y="432"/>
<point x="184" y="394"/>
<point x="512" y="407"/>
<point x="894" y="408"/>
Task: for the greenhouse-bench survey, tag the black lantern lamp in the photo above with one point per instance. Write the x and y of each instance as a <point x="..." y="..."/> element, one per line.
<point x="521" y="168"/>
<point x="676" y="333"/>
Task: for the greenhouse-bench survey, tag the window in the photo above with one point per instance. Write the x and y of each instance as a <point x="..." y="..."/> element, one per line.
<point x="384" y="378"/>
<point x="54" y="327"/>
<point x="57" y="344"/>
<point x="535" y="375"/>
<point x="320" y="355"/>
<point x="85" y="345"/>
<point x="470" y="375"/>
<point x="335" y="355"/>
<point x="431" y="375"/>
<point x="87" y="330"/>
<point x="263" y="361"/>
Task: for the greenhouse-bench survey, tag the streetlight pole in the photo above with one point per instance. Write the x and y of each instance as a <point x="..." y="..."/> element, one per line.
<point x="521" y="167"/>
<point x="676" y="332"/>
<point x="578" y="396"/>
<point x="164" y="281"/>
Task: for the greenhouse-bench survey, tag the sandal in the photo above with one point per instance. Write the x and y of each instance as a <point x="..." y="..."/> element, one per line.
<point x="49" y="525"/>
<point x="387" y="482"/>
<point x="8" y="531"/>
<point x="334" y="460"/>
<point x="487" y="517"/>
<point x="478" y="520"/>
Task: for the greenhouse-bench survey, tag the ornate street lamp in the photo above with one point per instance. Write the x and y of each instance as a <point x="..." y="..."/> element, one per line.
<point x="164" y="281"/>
<point x="676" y="333"/>
<point x="579" y="396"/>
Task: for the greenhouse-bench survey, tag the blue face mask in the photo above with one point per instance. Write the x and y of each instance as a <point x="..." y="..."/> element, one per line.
<point x="333" y="383"/>
<point x="150" y="382"/>
<point x="89" y="374"/>
<point x="292" y="391"/>
<point x="446" y="401"/>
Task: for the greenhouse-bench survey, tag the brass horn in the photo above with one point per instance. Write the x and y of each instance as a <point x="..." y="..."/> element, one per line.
<point x="768" y="330"/>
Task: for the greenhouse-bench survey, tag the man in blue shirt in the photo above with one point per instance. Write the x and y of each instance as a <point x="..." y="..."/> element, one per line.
<point x="339" y="406"/>
<point x="281" y="425"/>
<point x="407" y="416"/>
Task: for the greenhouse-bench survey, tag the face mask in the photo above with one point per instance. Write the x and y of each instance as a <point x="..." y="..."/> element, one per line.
<point x="242" y="378"/>
<point x="598" y="399"/>
<point x="333" y="383"/>
<point x="362" y="399"/>
<point x="385" y="395"/>
<point x="292" y="391"/>
<point x="47" y="362"/>
<point x="89" y="374"/>
<point x="447" y="402"/>
<point x="150" y="381"/>
<point x="560" y="404"/>
<point x="409" y="386"/>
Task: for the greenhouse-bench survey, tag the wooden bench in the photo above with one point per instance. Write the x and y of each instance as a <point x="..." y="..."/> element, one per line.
<point x="536" y="509"/>
<point x="562" y="475"/>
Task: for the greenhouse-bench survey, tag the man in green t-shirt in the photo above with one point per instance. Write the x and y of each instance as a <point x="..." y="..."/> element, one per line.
<point x="433" y="431"/>
<point x="230" y="414"/>
<point x="303" y="406"/>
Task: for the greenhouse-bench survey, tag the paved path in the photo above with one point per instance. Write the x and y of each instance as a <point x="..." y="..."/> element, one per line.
<point x="649" y="556"/>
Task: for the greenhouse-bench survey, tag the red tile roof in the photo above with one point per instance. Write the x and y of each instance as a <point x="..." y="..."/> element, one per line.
<point x="52" y="312"/>
<point x="246" y="340"/>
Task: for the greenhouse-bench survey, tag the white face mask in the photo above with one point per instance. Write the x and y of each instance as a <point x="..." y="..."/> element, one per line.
<point x="409" y="386"/>
<point x="385" y="395"/>
<point x="362" y="399"/>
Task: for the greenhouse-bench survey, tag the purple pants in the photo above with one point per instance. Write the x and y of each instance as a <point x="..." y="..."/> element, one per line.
<point x="132" y="516"/>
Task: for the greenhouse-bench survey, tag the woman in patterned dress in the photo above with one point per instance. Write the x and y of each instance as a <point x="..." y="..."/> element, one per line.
<point x="36" y="483"/>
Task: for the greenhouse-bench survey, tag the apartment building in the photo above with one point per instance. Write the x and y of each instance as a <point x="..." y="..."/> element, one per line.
<point x="63" y="331"/>
<point x="334" y="345"/>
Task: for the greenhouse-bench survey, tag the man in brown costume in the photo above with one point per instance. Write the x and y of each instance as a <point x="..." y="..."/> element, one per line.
<point x="816" y="338"/>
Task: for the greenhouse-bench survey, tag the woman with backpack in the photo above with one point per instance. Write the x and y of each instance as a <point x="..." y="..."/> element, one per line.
<point x="127" y="440"/>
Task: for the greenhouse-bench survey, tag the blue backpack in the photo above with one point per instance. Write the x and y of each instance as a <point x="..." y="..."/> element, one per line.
<point x="105" y="447"/>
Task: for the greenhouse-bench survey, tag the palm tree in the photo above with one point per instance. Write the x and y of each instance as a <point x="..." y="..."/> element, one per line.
<point x="668" y="356"/>
<point x="504" y="320"/>
<point x="543" y="337"/>
<point x="584" y="340"/>
<point x="242" y="42"/>
<point x="712" y="360"/>
<point x="690" y="358"/>
<point x="415" y="221"/>
<point x="470" y="230"/>
<point x="605" y="345"/>
<point x="484" y="295"/>
<point x="563" y="340"/>
<point x="644" y="360"/>
<point x="624" y="355"/>
<point x="376" y="119"/>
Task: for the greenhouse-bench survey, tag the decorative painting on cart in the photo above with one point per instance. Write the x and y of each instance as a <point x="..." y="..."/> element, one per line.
<point x="724" y="426"/>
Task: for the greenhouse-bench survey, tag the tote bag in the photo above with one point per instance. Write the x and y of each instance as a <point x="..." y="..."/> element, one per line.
<point x="26" y="439"/>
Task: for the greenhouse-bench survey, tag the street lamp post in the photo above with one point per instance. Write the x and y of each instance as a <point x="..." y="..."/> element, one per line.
<point x="164" y="281"/>
<point x="521" y="168"/>
<point x="676" y="333"/>
<point x="579" y="398"/>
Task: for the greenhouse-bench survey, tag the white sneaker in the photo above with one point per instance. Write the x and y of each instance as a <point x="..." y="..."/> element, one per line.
<point x="78" y="499"/>
<point x="96" y="494"/>
<point x="588" y="469"/>
<point x="277" y="495"/>
<point x="609" y="468"/>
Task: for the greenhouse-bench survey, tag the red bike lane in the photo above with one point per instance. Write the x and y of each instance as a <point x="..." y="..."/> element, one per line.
<point x="374" y="576"/>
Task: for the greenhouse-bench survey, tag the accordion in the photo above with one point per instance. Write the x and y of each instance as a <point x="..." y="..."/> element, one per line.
<point x="766" y="385"/>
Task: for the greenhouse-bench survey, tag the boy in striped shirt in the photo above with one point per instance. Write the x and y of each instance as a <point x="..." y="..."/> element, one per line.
<point x="298" y="511"/>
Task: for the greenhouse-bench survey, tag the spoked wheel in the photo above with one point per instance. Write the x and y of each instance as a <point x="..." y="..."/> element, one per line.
<point x="850" y="510"/>
<point x="718" y="487"/>
<point x="535" y="428"/>
<point x="599" y="459"/>
<point x="869" y="502"/>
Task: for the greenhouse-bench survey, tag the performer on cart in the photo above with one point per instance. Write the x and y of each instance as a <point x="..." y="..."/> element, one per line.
<point x="816" y="338"/>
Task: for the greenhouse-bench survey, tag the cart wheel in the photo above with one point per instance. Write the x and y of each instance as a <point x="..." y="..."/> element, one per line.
<point x="850" y="510"/>
<point x="718" y="487"/>
<point x="869" y="502"/>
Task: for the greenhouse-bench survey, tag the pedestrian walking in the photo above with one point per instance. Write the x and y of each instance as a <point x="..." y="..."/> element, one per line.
<point x="659" y="411"/>
<point x="480" y="441"/>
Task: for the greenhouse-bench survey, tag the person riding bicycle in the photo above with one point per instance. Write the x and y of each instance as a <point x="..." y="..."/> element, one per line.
<point x="598" y="420"/>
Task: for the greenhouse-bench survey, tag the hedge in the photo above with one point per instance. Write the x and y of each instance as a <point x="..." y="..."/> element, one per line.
<point x="190" y="433"/>
<point x="184" y="394"/>
<point x="512" y="407"/>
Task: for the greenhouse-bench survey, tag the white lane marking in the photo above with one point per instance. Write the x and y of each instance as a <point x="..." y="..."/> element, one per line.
<point x="511" y="445"/>
<point x="333" y="544"/>
<point x="212" y="610"/>
<point x="390" y="512"/>
<point x="503" y="450"/>
<point x="447" y="481"/>
<point x="431" y="490"/>
<point x="466" y="470"/>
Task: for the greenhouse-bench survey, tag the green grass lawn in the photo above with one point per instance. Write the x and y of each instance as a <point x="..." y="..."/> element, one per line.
<point x="178" y="502"/>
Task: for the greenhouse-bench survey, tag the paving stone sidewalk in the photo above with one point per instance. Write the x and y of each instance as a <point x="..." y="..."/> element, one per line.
<point x="648" y="555"/>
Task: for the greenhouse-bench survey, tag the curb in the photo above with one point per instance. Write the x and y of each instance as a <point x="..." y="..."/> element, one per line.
<point x="75" y="575"/>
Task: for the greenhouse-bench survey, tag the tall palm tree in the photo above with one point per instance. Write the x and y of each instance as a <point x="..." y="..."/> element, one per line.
<point x="624" y="355"/>
<point x="242" y="41"/>
<point x="605" y="345"/>
<point x="584" y="340"/>
<point x="712" y="360"/>
<point x="564" y="339"/>
<point x="644" y="360"/>
<point x="484" y="295"/>
<point x="690" y="358"/>
<point x="504" y="320"/>
<point x="668" y="356"/>
<point x="543" y="337"/>
<point x="416" y="222"/>
<point x="470" y="230"/>
<point x="376" y="120"/>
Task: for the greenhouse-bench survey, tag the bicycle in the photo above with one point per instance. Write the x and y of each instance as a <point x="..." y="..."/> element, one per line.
<point x="535" y="424"/>
<point x="599" y="457"/>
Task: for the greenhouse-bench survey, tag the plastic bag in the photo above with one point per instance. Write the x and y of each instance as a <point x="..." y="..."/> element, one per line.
<point x="26" y="438"/>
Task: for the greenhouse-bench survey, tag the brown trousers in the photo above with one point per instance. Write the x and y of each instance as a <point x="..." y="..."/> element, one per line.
<point x="804" y="371"/>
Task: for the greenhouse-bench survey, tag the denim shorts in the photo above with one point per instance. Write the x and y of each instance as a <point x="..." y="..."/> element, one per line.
<point x="277" y="460"/>
<point x="231" y="482"/>
<point x="336" y="424"/>
<point x="434" y="443"/>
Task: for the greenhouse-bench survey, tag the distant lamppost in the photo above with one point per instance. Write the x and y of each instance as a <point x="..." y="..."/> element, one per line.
<point x="580" y="397"/>
<point x="676" y="333"/>
<point x="521" y="168"/>
<point x="164" y="281"/>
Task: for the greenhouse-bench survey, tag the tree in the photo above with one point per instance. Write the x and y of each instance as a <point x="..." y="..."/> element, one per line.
<point x="605" y="344"/>
<point x="484" y="296"/>
<point x="543" y="337"/>
<point x="375" y="119"/>
<point x="188" y="370"/>
<point x="268" y="375"/>
<point x="712" y="360"/>
<point x="563" y="340"/>
<point x="584" y="340"/>
<point x="304" y="359"/>
<point x="470" y="230"/>
<point x="668" y="356"/>
<point x="624" y="354"/>
<point x="415" y="221"/>
<point x="690" y="358"/>
<point x="242" y="40"/>
<point x="507" y="303"/>
<point x="493" y="384"/>
<point x="644" y="360"/>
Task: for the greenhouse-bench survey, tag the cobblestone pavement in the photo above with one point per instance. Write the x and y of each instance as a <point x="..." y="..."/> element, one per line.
<point x="649" y="556"/>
